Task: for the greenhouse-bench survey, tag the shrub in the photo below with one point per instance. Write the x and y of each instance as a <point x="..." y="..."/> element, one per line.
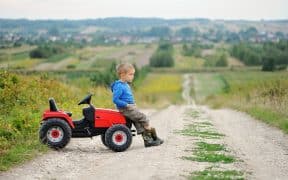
<point x="46" y="51"/>
<point x="163" y="56"/>
<point x="219" y="60"/>
<point x="268" y="64"/>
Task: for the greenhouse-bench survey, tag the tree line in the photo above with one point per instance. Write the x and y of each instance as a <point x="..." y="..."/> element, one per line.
<point x="270" y="55"/>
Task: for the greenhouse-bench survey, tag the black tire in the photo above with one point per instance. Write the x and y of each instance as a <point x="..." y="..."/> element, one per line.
<point x="103" y="140"/>
<point x="118" y="138"/>
<point x="56" y="133"/>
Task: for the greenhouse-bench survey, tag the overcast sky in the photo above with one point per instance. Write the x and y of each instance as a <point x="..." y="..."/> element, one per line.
<point x="82" y="9"/>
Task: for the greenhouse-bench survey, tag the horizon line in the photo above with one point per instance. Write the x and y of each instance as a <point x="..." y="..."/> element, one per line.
<point x="130" y="17"/>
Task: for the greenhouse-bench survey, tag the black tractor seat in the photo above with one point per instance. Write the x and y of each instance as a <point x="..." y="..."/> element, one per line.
<point x="54" y="108"/>
<point x="52" y="105"/>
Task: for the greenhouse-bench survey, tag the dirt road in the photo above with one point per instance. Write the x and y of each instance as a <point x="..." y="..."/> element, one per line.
<point x="89" y="159"/>
<point x="262" y="150"/>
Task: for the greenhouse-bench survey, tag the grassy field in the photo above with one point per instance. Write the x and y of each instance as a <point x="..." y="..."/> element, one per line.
<point x="17" y="58"/>
<point x="102" y="57"/>
<point x="186" y="62"/>
<point x="263" y="95"/>
<point x="22" y="101"/>
<point x="159" y="90"/>
<point x="90" y="57"/>
<point x="24" y="98"/>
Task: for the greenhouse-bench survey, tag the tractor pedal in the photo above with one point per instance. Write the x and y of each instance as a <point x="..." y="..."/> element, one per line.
<point x="88" y="131"/>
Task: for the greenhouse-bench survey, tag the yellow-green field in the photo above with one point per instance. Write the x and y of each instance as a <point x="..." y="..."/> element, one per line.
<point x="159" y="90"/>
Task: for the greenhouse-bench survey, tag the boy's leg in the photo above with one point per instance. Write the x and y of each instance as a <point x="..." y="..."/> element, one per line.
<point x="139" y="119"/>
<point x="155" y="137"/>
<point x="141" y="123"/>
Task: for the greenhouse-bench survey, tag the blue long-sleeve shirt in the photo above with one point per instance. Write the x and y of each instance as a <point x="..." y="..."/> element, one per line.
<point x="122" y="94"/>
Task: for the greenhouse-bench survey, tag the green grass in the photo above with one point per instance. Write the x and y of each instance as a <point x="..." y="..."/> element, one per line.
<point x="211" y="157"/>
<point x="206" y="152"/>
<point x="197" y="131"/>
<point x="58" y="57"/>
<point x="270" y="117"/>
<point x="15" y="50"/>
<point x="24" y="63"/>
<point x="203" y="124"/>
<point x="193" y="114"/>
<point x="186" y="62"/>
<point x="209" y="174"/>
<point x="12" y="55"/>
<point x="203" y="146"/>
<point x="201" y="129"/>
<point x="159" y="90"/>
<point x="19" y="56"/>
<point x="207" y="84"/>
<point x="21" y="152"/>
<point x="102" y="63"/>
<point x="264" y="95"/>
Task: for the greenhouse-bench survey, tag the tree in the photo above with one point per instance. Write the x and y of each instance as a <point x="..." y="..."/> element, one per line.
<point x="222" y="60"/>
<point x="162" y="59"/>
<point x="163" y="56"/>
<point x="160" y="31"/>
<point x="46" y="51"/>
<point x="268" y="64"/>
<point x="53" y="31"/>
<point x="186" y="32"/>
<point x="193" y="50"/>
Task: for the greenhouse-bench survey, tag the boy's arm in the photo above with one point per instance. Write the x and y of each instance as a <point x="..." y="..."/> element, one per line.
<point x="117" y="92"/>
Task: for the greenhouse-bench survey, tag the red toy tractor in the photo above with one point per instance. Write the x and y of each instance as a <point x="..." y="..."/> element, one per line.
<point x="57" y="126"/>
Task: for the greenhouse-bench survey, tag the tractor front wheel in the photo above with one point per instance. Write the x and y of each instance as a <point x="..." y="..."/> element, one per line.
<point x="118" y="138"/>
<point x="56" y="133"/>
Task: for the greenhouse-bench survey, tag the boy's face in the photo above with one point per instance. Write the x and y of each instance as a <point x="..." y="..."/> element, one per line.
<point x="129" y="76"/>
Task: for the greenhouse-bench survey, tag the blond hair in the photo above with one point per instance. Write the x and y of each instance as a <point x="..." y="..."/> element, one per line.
<point x="124" y="68"/>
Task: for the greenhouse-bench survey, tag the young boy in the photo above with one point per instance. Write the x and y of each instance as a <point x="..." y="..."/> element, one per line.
<point x="124" y="100"/>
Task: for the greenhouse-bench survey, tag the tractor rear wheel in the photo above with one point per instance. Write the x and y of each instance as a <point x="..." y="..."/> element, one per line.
<point x="56" y="133"/>
<point x="118" y="138"/>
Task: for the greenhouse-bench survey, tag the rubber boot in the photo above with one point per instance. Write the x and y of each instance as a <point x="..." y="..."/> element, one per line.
<point x="155" y="137"/>
<point x="148" y="140"/>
